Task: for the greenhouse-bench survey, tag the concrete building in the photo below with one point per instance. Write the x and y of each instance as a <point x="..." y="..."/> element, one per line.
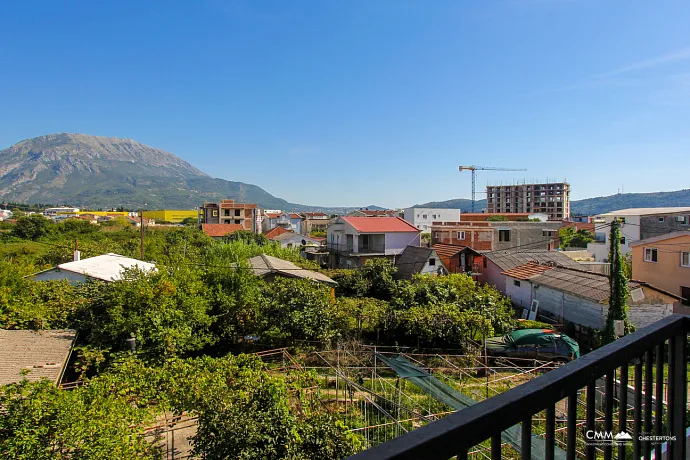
<point x="353" y="240"/>
<point x="491" y="236"/>
<point x="423" y="218"/>
<point x="315" y="221"/>
<point x="552" y="198"/>
<point x="664" y="261"/>
<point x="107" y="267"/>
<point x="636" y="224"/>
<point x="54" y="212"/>
<point x="230" y="212"/>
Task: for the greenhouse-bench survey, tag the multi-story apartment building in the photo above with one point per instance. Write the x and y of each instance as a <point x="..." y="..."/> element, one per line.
<point x="423" y="218"/>
<point x="636" y="224"/>
<point x="551" y="198"/>
<point x="229" y="212"/>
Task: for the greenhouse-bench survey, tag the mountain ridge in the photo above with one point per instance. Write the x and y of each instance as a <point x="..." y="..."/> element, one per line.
<point x="100" y="171"/>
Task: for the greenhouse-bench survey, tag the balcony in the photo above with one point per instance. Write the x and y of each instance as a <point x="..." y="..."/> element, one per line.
<point x="655" y="405"/>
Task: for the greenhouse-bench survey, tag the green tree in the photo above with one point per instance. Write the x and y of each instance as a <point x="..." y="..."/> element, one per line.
<point x="499" y="218"/>
<point x="41" y="422"/>
<point x="32" y="227"/>
<point x="248" y="237"/>
<point x="571" y="238"/>
<point x="618" y="308"/>
<point x="167" y="311"/>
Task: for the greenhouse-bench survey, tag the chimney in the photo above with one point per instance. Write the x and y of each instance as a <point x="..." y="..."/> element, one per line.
<point x="76" y="250"/>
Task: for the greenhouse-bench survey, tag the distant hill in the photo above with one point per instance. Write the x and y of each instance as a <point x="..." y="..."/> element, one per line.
<point x="102" y="172"/>
<point x="591" y="206"/>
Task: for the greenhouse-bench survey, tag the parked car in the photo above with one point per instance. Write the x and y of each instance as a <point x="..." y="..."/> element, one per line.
<point x="545" y="344"/>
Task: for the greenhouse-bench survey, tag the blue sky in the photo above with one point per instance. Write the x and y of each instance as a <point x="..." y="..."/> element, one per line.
<point x="365" y="102"/>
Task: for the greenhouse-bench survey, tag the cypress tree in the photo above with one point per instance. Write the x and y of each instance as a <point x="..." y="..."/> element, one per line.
<point x="618" y="309"/>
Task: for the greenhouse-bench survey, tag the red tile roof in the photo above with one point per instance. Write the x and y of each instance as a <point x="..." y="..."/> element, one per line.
<point x="216" y="230"/>
<point x="526" y="271"/>
<point x="276" y="231"/>
<point x="272" y="215"/>
<point x="447" y="250"/>
<point x="380" y="225"/>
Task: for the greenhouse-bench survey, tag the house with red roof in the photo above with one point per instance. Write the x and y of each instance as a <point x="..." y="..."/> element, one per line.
<point x="353" y="240"/>
<point x="287" y="220"/>
<point x="220" y="231"/>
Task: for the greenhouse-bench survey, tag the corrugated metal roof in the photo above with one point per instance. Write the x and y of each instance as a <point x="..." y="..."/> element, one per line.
<point x="526" y="271"/>
<point x="107" y="267"/>
<point x="43" y="353"/>
<point x="645" y="211"/>
<point x="509" y="259"/>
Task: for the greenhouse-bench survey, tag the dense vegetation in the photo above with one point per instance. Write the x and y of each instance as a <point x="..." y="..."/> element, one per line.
<point x="191" y="321"/>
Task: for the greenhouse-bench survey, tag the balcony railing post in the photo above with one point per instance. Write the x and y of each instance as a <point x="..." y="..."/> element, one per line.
<point x="648" y="392"/>
<point x="550" y="431"/>
<point x="526" y="439"/>
<point x="608" y="413"/>
<point x="659" y="395"/>
<point x="623" y="407"/>
<point x="637" y="417"/>
<point x="572" y="427"/>
<point x="589" y="418"/>
<point x="677" y="368"/>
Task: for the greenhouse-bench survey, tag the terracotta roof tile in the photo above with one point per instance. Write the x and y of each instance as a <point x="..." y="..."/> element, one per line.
<point x="276" y="231"/>
<point x="217" y="230"/>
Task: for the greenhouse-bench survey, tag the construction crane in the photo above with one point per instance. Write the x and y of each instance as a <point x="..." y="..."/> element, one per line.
<point x="474" y="169"/>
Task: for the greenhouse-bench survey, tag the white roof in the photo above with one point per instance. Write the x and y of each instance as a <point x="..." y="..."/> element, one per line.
<point x="107" y="267"/>
<point x="645" y="211"/>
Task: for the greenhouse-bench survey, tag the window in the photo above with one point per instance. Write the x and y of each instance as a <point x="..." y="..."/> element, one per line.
<point x="425" y="227"/>
<point x="650" y="255"/>
<point x="461" y="235"/>
<point x="433" y="216"/>
<point x="546" y="232"/>
<point x="365" y="242"/>
<point x="685" y="294"/>
<point x="424" y="216"/>
<point x="685" y="259"/>
<point x="683" y="220"/>
<point x="622" y="240"/>
<point x="237" y="213"/>
<point x="504" y="235"/>
<point x="661" y="219"/>
<point x="516" y="283"/>
<point x="432" y="262"/>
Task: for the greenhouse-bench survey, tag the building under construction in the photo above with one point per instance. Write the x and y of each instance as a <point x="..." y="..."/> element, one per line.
<point x="551" y="198"/>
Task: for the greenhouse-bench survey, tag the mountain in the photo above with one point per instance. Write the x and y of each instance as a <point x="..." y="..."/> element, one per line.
<point x="592" y="206"/>
<point x="103" y="172"/>
<point x="602" y="204"/>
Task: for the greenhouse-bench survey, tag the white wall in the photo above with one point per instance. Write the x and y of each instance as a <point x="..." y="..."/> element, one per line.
<point x="630" y="230"/>
<point x="415" y="216"/>
<point x="520" y="296"/>
<point x="396" y="242"/>
<point x="57" y="274"/>
<point x="571" y="308"/>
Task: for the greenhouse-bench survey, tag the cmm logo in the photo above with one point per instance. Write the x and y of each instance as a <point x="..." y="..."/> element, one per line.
<point x="607" y="437"/>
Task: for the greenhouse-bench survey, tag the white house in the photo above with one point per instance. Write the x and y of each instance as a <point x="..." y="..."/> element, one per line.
<point x="286" y="220"/>
<point x="422" y="218"/>
<point x="107" y="267"/>
<point x="54" y="212"/>
<point x="353" y="240"/>
<point x="636" y="224"/>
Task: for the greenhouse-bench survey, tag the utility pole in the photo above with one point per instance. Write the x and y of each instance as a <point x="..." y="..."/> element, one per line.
<point x="141" y="225"/>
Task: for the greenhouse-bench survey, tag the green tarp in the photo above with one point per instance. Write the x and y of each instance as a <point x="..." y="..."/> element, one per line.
<point x="458" y="401"/>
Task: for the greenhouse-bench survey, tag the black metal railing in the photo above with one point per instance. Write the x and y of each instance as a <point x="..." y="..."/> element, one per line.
<point x="658" y="357"/>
